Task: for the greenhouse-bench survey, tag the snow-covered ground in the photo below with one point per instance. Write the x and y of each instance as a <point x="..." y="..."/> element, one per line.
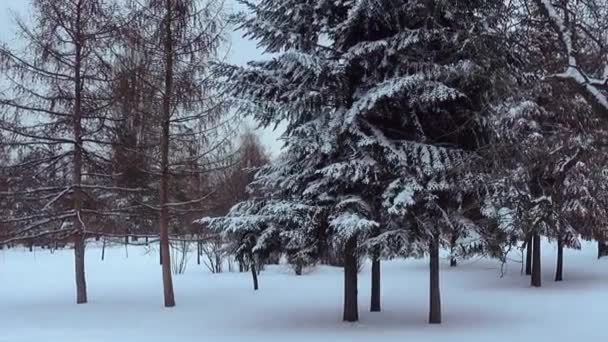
<point x="37" y="295"/>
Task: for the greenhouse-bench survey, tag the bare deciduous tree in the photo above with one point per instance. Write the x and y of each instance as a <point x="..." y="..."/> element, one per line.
<point x="54" y="116"/>
<point x="177" y="40"/>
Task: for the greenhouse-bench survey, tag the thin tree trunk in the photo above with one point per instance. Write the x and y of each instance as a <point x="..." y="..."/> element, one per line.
<point x="529" y="256"/>
<point x="375" y="305"/>
<point x="198" y="251"/>
<point x="351" y="311"/>
<point x="169" y="296"/>
<point x="103" y="249"/>
<point x="453" y="261"/>
<point x="79" y="238"/>
<point x="559" y="272"/>
<point x="536" y="265"/>
<point x="254" y="272"/>
<point x="435" y="294"/>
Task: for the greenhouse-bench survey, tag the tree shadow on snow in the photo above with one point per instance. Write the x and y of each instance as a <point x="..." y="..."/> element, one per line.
<point x="458" y="319"/>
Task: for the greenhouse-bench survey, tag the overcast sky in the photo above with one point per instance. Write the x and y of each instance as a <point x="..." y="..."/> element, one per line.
<point x="240" y="52"/>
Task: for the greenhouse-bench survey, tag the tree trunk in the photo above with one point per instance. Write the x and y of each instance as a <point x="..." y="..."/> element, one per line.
<point x="198" y="251"/>
<point x="79" y="238"/>
<point x="103" y="249"/>
<point x="169" y="296"/>
<point x="453" y="261"/>
<point x="240" y="262"/>
<point x="351" y="311"/>
<point x="529" y="256"/>
<point x="81" y="284"/>
<point x="254" y="272"/>
<point x="559" y="272"/>
<point x="298" y="269"/>
<point x="435" y="294"/>
<point x="218" y="264"/>
<point x="602" y="249"/>
<point x="375" y="305"/>
<point x="536" y="270"/>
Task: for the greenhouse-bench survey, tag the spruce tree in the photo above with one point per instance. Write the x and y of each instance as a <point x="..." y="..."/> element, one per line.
<point x="384" y="103"/>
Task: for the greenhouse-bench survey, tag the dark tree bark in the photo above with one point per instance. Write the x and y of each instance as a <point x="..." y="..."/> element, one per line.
<point x="241" y="264"/>
<point x="351" y="310"/>
<point x="198" y="251"/>
<point x="375" y="305"/>
<point x="254" y="272"/>
<point x="79" y="238"/>
<point x="103" y="249"/>
<point x="435" y="294"/>
<point x="169" y="296"/>
<point x="529" y="256"/>
<point x="298" y="269"/>
<point x="536" y="264"/>
<point x="559" y="272"/>
<point x="453" y="261"/>
<point x="602" y="249"/>
<point x="81" y="285"/>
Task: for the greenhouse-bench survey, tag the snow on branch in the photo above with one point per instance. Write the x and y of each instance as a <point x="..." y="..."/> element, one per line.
<point x="592" y="88"/>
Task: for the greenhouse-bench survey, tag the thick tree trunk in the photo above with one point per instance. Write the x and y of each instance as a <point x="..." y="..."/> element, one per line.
<point x="529" y="256"/>
<point x="81" y="284"/>
<point x="435" y="294"/>
<point x="559" y="272"/>
<point x="536" y="269"/>
<point x="375" y="305"/>
<point x="351" y="310"/>
<point x="602" y="249"/>
<point x="298" y="269"/>
<point x="169" y="296"/>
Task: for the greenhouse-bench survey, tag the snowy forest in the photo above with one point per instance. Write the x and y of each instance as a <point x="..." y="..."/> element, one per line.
<point x="450" y="144"/>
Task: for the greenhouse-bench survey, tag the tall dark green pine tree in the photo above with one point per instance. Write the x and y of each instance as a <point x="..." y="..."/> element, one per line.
<point x="384" y="103"/>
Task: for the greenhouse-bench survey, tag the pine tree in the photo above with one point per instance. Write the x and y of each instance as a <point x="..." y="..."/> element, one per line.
<point x="384" y="103"/>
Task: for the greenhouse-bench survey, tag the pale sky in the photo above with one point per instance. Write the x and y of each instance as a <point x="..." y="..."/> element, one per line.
<point x="241" y="51"/>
